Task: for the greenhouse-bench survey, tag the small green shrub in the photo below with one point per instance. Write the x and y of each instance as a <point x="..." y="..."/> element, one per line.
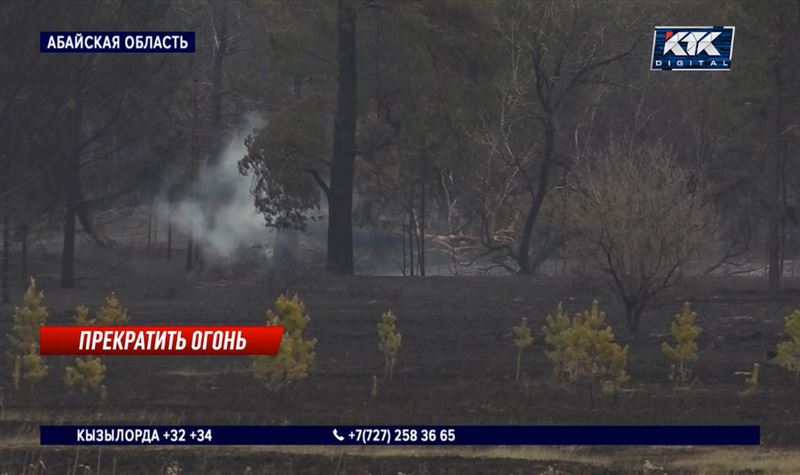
<point x="789" y="350"/>
<point x="33" y="367"/>
<point x="389" y="341"/>
<point x="583" y="351"/>
<point x="522" y="339"/>
<point x="89" y="371"/>
<point x="87" y="374"/>
<point x="295" y="355"/>
<point x="23" y="340"/>
<point x="556" y="333"/>
<point x="111" y="313"/>
<point x="684" y="330"/>
<point x="81" y="316"/>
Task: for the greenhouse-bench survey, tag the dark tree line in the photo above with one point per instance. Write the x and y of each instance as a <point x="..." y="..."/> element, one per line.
<point x="455" y="126"/>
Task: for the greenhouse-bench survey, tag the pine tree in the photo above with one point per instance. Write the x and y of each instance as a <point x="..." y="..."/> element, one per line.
<point x="89" y="371"/>
<point x="555" y="332"/>
<point x="789" y="350"/>
<point x="685" y="331"/>
<point x="88" y="374"/>
<point x="389" y="341"/>
<point x="111" y="313"/>
<point x="24" y="337"/>
<point x="296" y="353"/>
<point x="583" y="351"/>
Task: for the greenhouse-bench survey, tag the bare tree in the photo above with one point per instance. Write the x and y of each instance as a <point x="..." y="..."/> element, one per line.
<point x="648" y="220"/>
<point x="556" y="51"/>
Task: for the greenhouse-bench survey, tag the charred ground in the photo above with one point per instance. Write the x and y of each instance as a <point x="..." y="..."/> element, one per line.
<point x="456" y="367"/>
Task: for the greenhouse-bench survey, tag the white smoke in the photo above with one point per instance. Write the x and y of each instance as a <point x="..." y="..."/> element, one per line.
<point x="221" y="209"/>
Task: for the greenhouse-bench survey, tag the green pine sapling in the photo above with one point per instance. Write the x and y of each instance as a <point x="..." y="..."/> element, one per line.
<point x="583" y="351"/>
<point x="296" y="353"/>
<point x="789" y="350"/>
<point x="684" y="330"/>
<point x="24" y="338"/>
<point x="389" y="341"/>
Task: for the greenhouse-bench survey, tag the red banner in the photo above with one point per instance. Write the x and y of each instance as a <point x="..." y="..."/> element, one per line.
<point x="159" y="340"/>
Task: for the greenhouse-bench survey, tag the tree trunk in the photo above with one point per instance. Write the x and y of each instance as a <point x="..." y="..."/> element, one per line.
<point x="523" y="256"/>
<point x="403" y="244"/>
<point x="149" y="228"/>
<point x="169" y="230"/>
<point x="776" y="213"/>
<point x="72" y="196"/>
<point x="421" y="246"/>
<point x="68" y="248"/>
<point x="82" y="213"/>
<point x="630" y="317"/>
<point x="190" y="240"/>
<point x="633" y="314"/>
<point x="340" y="198"/>
<point x="220" y="53"/>
<point x="190" y="245"/>
<point x="210" y="204"/>
<point x="6" y="244"/>
<point x="155" y="229"/>
<point x="286" y="250"/>
<point x="411" y="232"/>
<point x="24" y="251"/>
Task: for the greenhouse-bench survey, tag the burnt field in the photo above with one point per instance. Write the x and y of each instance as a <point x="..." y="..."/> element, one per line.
<point x="430" y="180"/>
<point x="456" y="366"/>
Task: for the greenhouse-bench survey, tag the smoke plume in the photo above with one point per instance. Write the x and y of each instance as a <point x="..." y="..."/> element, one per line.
<point x="221" y="209"/>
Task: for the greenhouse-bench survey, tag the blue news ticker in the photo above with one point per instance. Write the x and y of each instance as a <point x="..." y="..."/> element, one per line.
<point x="400" y="435"/>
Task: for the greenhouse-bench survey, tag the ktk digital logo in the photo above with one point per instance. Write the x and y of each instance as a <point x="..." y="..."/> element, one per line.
<point x="692" y="48"/>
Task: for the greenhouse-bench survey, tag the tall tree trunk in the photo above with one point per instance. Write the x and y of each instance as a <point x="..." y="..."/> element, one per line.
<point x="219" y="15"/>
<point x="220" y="52"/>
<point x="340" y="198"/>
<point x="287" y="241"/>
<point x="169" y="230"/>
<point x="68" y="248"/>
<point x="411" y="232"/>
<point x="149" y="228"/>
<point x="523" y="256"/>
<point x="6" y="243"/>
<point x="82" y="213"/>
<point x="72" y="196"/>
<point x="403" y="244"/>
<point x="190" y="246"/>
<point x="633" y="314"/>
<point x="155" y="228"/>
<point x="776" y="211"/>
<point x="421" y="245"/>
<point x="630" y="315"/>
<point x="190" y="240"/>
<point x="23" y="235"/>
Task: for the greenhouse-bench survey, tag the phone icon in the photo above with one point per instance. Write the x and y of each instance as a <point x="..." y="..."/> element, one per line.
<point x="338" y="437"/>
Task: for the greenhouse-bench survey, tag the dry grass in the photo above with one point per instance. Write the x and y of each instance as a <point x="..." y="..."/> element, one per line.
<point x="698" y="460"/>
<point x="629" y="459"/>
<point x="731" y="460"/>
